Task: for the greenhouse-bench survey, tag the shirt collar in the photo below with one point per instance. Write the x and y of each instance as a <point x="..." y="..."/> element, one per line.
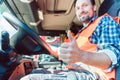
<point x="85" y="25"/>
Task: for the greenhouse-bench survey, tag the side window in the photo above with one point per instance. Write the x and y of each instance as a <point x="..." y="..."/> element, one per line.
<point x="4" y="24"/>
<point x="3" y="7"/>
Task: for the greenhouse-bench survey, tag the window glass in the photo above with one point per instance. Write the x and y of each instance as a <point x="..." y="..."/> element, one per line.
<point x="4" y="24"/>
<point x="3" y="7"/>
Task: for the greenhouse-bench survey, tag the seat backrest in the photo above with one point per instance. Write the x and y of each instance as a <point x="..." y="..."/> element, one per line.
<point x="112" y="7"/>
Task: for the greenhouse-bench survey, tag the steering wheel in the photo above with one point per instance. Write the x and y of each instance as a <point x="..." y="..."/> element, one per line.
<point x="25" y="40"/>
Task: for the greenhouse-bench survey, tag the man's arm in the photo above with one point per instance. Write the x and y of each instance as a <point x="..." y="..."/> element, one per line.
<point x="70" y="53"/>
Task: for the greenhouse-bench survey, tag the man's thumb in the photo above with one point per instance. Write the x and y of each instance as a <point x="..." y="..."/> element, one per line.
<point x="69" y="35"/>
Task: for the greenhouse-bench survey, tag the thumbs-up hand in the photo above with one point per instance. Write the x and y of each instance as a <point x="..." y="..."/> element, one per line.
<point x="69" y="51"/>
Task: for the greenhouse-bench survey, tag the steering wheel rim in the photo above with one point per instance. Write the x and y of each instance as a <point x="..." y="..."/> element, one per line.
<point x="28" y="31"/>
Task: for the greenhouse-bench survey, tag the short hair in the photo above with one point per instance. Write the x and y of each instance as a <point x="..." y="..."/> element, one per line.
<point x="92" y="1"/>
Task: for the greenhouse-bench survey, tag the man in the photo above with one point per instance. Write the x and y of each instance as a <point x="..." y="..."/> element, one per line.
<point x="96" y="45"/>
<point x="105" y="35"/>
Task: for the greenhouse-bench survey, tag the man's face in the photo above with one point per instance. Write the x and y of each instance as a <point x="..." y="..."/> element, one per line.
<point x="84" y="10"/>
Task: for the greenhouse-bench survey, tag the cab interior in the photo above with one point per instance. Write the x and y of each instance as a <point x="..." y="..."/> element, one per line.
<point x="35" y="19"/>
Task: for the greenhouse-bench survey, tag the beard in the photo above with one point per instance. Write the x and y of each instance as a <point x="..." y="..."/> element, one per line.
<point x="85" y="18"/>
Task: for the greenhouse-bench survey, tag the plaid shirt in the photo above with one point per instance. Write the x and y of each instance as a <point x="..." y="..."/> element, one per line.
<point x="107" y="38"/>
